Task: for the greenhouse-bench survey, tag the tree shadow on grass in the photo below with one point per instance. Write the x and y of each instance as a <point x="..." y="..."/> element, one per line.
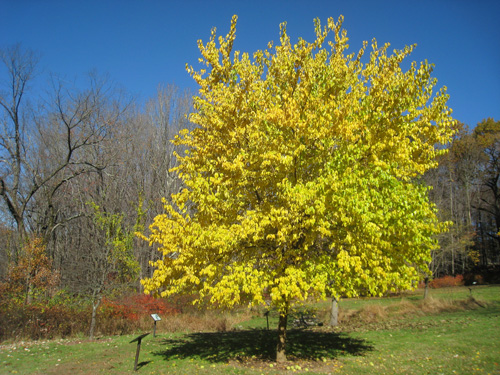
<point x="225" y="346"/>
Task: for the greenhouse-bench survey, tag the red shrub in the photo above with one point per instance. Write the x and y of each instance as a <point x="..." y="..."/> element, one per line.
<point x="134" y="306"/>
<point x="149" y="304"/>
<point x="116" y="310"/>
<point x="447" y="281"/>
<point x="63" y="316"/>
<point x="38" y="321"/>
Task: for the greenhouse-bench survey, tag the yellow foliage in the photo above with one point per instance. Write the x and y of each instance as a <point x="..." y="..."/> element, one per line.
<point x="301" y="173"/>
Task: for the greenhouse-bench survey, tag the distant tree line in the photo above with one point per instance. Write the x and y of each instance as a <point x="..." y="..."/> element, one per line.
<point x="466" y="189"/>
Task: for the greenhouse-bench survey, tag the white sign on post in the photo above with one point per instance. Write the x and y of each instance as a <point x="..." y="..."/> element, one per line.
<point x="155" y="317"/>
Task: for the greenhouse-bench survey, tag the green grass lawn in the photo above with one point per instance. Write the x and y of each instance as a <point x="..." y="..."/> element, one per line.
<point x="451" y="342"/>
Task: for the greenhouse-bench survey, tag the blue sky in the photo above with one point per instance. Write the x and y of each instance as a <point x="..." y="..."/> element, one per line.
<point x="144" y="43"/>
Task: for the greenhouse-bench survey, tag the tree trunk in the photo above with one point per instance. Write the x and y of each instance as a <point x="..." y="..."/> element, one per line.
<point x="426" y="289"/>
<point x="334" y="314"/>
<point x="95" y="305"/>
<point x="280" y="349"/>
<point x="29" y="292"/>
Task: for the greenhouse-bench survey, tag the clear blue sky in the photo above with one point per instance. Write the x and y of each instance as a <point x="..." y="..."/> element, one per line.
<point x="144" y="43"/>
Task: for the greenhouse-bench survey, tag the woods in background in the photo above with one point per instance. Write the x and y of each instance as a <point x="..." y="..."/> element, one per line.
<point x="466" y="191"/>
<point x="78" y="166"/>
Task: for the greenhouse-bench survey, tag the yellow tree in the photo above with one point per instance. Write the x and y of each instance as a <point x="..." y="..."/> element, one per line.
<point x="301" y="175"/>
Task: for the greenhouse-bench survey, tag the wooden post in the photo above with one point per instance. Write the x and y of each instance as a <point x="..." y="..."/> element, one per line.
<point x="137" y="354"/>
<point x="138" y="339"/>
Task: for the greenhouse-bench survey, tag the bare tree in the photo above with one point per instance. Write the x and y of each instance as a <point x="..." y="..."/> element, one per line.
<point x="76" y="138"/>
<point x="20" y="67"/>
<point x="44" y="149"/>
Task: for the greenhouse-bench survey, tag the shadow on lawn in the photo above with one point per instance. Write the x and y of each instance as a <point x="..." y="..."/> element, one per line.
<point x="224" y="346"/>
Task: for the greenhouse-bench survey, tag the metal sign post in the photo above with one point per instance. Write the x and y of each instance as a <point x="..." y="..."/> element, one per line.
<point x="138" y="339"/>
<point x="156" y="318"/>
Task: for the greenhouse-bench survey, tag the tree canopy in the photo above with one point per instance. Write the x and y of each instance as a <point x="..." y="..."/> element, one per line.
<point x="302" y="174"/>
